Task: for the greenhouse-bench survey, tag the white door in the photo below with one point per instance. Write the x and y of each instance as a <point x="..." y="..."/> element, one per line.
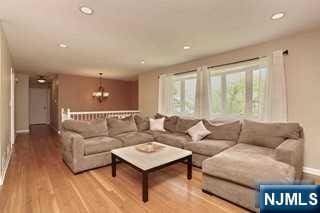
<point x="39" y="106"/>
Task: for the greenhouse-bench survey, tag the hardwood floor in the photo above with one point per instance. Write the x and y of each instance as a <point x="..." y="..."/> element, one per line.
<point x="38" y="181"/>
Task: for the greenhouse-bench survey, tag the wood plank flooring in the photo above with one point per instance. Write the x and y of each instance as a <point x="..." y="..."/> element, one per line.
<point x="38" y="181"/>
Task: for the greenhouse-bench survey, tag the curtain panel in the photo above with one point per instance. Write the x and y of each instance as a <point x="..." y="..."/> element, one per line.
<point x="276" y="108"/>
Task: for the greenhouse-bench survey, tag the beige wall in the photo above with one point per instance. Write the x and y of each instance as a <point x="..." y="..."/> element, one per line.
<point x="5" y="90"/>
<point x="22" y="102"/>
<point x="303" y="80"/>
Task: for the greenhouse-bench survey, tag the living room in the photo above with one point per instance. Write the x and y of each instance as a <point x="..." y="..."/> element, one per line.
<point x="158" y="106"/>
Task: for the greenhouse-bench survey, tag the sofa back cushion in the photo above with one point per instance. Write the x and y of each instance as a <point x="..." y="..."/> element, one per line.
<point x="170" y="122"/>
<point x="268" y="135"/>
<point x="223" y="131"/>
<point x="142" y="123"/>
<point x="118" y="126"/>
<point x="183" y="124"/>
<point x="87" y="129"/>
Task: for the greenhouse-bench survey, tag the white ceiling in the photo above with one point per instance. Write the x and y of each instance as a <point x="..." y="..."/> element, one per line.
<point x="121" y="33"/>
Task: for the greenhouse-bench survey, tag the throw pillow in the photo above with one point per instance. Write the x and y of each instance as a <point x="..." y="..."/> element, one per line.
<point x="170" y="122"/>
<point x="87" y="129"/>
<point x="118" y="126"/>
<point x="157" y="124"/>
<point x="223" y="131"/>
<point x="268" y="135"/>
<point x="142" y="123"/>
<point x="198" y="131"/>
<point x="183" y="124"/>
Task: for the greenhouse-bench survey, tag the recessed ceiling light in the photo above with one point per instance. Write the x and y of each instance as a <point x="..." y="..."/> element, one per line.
<point x="41" y="80"/>
<point x="63" y="45"/>
<point x="186" y="47"/>
<point x="142" y="62"/>
<point x="277" y="16"/>
<point x="86" y="10"/>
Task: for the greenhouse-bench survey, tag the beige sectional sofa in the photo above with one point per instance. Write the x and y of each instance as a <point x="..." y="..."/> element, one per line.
<point x="235" y="157"/>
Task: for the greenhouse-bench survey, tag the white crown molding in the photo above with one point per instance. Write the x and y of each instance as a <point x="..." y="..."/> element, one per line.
<point x="2" y="177"/>
<point x="311" y="171"/>
<point x="22" y="131"/>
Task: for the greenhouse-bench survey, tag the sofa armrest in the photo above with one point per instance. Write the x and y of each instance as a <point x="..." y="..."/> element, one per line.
<point x="291" y="152"/>
<point x="73" y="143"/>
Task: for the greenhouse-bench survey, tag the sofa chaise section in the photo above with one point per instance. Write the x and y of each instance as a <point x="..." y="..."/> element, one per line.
<point x="266" y="152"/>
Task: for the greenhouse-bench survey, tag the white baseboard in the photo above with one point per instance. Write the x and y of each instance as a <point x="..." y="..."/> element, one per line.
<point x="22" y="131"/>
<point x="2" y="177"/>
<point x="311" y="171"/>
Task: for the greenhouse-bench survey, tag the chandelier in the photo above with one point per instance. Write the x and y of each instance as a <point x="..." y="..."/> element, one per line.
<point x="100" y="95"/>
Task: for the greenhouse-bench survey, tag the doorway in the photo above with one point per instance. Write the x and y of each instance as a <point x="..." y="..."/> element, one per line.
<point x="39" y="106"/>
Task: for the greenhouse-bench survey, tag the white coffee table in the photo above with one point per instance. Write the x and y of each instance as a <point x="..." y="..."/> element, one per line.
<point x="149" y="162"/>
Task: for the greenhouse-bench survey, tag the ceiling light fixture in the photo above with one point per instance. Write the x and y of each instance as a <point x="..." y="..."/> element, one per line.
<point x="41" y="79"/>
<point x="86" y="10"/>
<point x="142" y="62"/>
<point x="186" y="47"/>
<point x="100" y="95"/>
<point x="63" y="45"/>
<point x="277" y="16"/>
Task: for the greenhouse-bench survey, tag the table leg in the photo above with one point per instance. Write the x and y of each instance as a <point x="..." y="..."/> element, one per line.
<point x="144" y="186"/>
<point x="114" y="163"/>
<point x="189" y="167"/>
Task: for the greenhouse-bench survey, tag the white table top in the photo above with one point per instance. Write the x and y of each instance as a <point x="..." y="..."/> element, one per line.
<point x="146" y="161"/>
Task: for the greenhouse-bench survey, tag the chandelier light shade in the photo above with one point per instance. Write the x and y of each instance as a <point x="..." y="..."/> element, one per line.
<point x="100" y="95"/>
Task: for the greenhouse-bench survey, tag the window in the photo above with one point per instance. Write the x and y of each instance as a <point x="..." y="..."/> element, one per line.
<point x="228" y="91"/>
<point x="238" y="90"/>
<point x="183" y="94"/>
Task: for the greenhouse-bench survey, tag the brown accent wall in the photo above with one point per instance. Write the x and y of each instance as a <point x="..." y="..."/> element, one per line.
<point x="75" y="92"/>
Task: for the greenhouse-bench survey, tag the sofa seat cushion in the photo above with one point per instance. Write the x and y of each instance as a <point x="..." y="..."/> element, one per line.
<point x="248" y="165"/>
<point x="209" y="147"/>
<point x="100" y="144"/>
<point x="155" y="133"/>
<point x="174" y="139"/>
<point x="134" y="138"/>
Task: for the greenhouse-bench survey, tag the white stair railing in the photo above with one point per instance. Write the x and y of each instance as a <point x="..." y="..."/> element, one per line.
<point x="92" y="115"/>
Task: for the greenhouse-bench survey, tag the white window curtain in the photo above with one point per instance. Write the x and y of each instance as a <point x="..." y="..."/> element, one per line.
<point x="260" y="85"/>
<point x="203" y="102"/>
<point x="275" y="108"/>
<point x="165" y="91"/>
